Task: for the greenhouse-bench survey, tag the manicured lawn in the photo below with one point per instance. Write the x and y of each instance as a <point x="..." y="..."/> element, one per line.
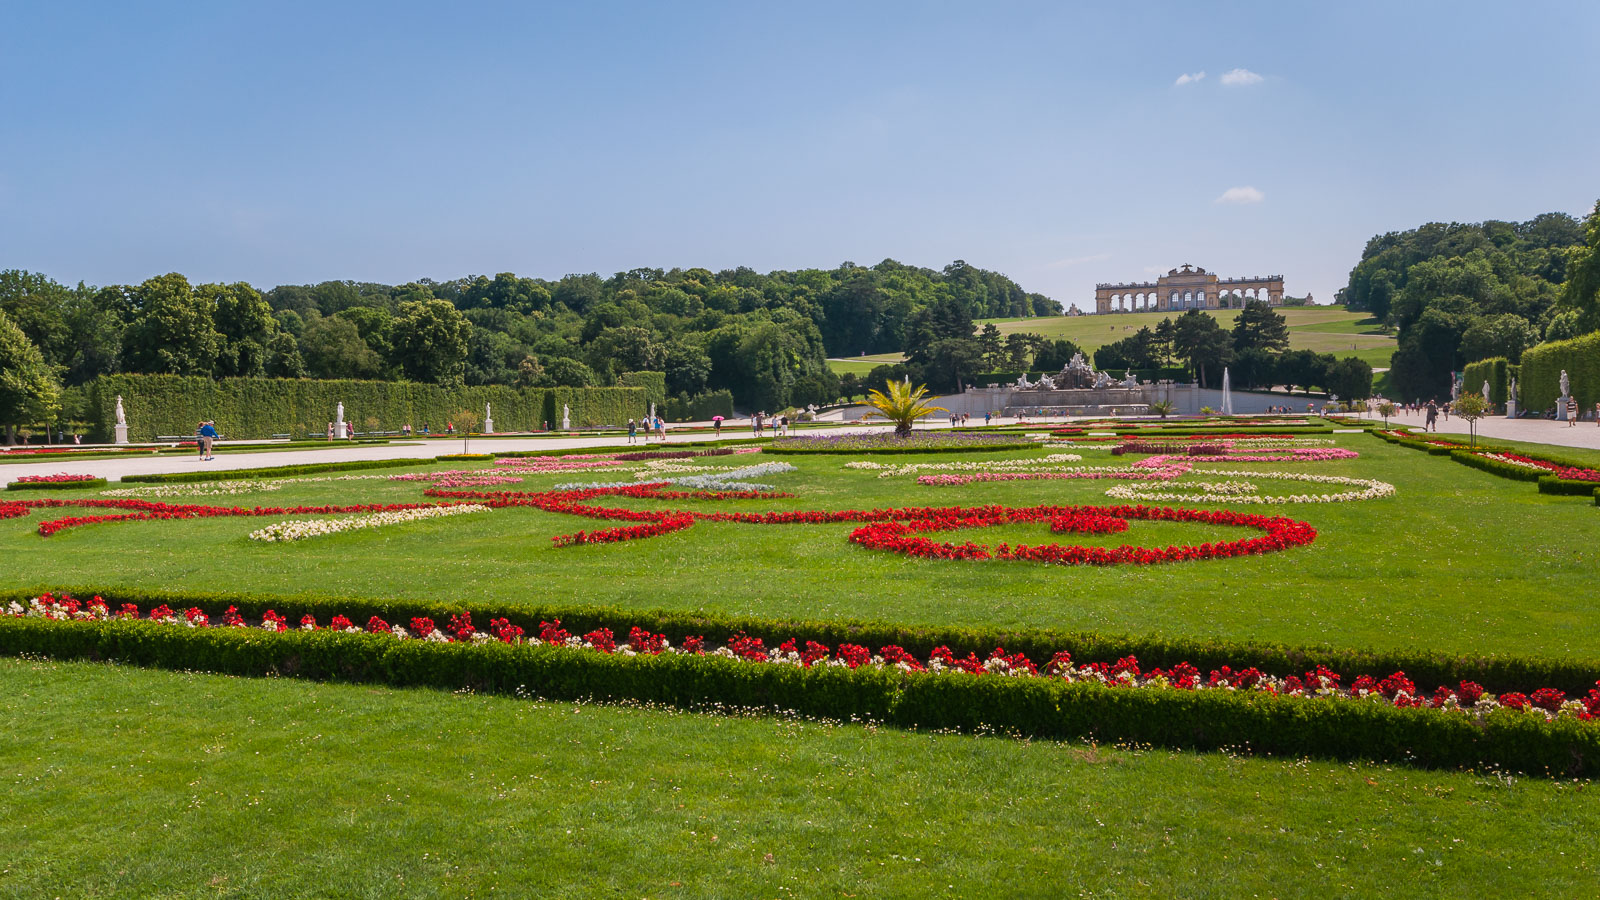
<point x="126" y="782"/>
<point x="134" y="782"/>
<point x="861" y="365"/>
<point x="1458" y="560"/>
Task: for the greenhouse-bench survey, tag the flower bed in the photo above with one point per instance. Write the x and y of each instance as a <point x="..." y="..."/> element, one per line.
<point x="886" y="470"/>
<point x="889" y="442"/>
<point x="1562" y="471"/>
<point x="58" y="481"/>
<point x="225" y="488"/>
<point x="300" y="529"/>
<point x="1308" y="454"/>
<point x="899" y="529"/>
<point x="146" y="510"/>
<point x="1245" y="492"/>
<point x="1082" y="472"/>
<point x="1317" y="712"/>
<point x="906" y="536"/>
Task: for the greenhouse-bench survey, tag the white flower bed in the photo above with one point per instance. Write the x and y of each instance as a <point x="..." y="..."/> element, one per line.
<point x="1245" y="492"/>
<point x="715" y="481"/>
<point x="203" y="489"/>
<point x="886" y="470"/>
<point x="1497" y="457"/>
<point x="300" y="529"/>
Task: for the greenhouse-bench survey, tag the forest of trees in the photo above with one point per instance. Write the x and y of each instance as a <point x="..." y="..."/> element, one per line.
<point x="1457" y="293"/>
<point x="766" y="338"/>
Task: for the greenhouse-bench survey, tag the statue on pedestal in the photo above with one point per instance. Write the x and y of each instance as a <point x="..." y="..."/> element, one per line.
<point x="1129" y="380"/>
<point x="1566" y="385"/>
<point x="566" y="417"/>
<point x="122" y="417"/>
<point x="1486" y="393"/>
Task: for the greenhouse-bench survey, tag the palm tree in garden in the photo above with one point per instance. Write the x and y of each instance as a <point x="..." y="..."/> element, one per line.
<point x="901" y="405"/>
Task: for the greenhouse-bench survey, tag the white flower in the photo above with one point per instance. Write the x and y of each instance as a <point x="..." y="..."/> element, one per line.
<point x="300" y="529"/>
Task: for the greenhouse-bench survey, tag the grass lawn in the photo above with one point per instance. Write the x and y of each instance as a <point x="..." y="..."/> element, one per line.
<point x="140" y="783"/>
<point x="1325" y="329"/>
<point x="861" y="365"/>
<point x="129" y="782"/>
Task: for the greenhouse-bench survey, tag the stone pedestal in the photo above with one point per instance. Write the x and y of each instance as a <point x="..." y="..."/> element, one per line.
<point x="1511" y="409"/>
<point x="122" y="433"/>
<point x="338" y="429"/>
<point x="488" y="426"/>
<point x="1561" y="409"/>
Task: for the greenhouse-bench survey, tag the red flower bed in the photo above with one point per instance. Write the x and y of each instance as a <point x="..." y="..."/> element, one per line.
<point x="1570" y="473"/>
<point x="901" y="530"/>
<point x="897" y="537"/>
<point x="1323" y="683"/>
<point x="61" y="478"/>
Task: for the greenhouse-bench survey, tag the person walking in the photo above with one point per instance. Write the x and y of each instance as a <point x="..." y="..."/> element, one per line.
<point x="208" y="438"/>
<point x="1432" y="423"/>
<point x="330" y="431"/>
<point x="350" y="431"/>
<point x="633" y="432"/>
<point x="1572" y="412"/>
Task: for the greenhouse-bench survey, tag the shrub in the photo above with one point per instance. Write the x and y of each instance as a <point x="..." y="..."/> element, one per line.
<point x="1030" y="707"/>
<point x="1540" y="372"/>
<point x="55" y="485"/>
<point x="1565" y="487"/>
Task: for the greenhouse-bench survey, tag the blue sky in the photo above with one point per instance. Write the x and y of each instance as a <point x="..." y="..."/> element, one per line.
<point x="297" y="142"/>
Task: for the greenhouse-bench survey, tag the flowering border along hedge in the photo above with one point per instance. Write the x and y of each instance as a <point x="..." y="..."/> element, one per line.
<point x="55" y="482"/>
<point x="1388" y="719"/>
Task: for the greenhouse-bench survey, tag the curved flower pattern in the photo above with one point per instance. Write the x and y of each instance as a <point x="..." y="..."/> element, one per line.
<point x="300" y="529"/>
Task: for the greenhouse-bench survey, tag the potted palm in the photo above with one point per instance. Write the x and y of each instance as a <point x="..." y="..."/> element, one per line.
<point x="901" y="405"/>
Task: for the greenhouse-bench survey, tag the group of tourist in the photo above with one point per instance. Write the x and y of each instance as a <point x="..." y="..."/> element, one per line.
<point x="961" y="419"/>
<point x="761" y="422"/>
<point x="349" y="431"/>
<point x="652" y="425"/>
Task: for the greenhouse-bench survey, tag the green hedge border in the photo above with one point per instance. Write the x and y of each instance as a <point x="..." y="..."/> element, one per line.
<point x="1497" y="673"/>
<point x="1023" y="707"/>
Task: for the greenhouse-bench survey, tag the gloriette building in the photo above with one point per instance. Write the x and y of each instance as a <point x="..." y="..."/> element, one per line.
<point x="1187" y="287"/>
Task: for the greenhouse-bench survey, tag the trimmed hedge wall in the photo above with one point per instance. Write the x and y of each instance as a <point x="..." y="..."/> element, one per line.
<point x="1566" y="487"/>
<point x="1496" y="371"/>
<point x="654" y="384"/>
<point x="1540" y="373"/>
<point x="1030" y="707"/>
<point x="1497" y="673"/>
<point x="250" y="408"/>
<point x="700" y="408"/>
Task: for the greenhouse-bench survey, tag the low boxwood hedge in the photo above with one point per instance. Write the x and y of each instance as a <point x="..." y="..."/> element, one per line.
<point x="1495" y="466"/>
<point x="55" y="485"/>
<point x="1025" y="707"/>
<point x="1566" y="487"/>
<point x="271" y="471"/>
<point x="1575" y="675"/>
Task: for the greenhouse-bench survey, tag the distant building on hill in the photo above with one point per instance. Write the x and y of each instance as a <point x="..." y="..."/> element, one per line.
<point x="1187" y="287"/>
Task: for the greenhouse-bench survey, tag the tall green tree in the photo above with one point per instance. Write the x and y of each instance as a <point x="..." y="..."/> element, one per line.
<point x="244" y="319"/>
<point x="29" y="392"/>
<point x="430" y="340"/>
<point x="1202" y="344"/>
<point x="174" y="332"/>
<point x="1582" y="290"/>
<point x="1259" y="327"/>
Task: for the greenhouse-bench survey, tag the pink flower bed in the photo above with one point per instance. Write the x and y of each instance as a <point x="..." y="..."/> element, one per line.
<point x="60" y="478"/>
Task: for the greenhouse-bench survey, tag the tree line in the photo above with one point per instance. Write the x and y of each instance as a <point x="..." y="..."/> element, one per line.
<point x="1457" y="293"/>
<point x="763" y="337"/>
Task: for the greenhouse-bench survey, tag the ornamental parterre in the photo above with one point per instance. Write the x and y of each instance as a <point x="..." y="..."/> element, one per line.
<point x="1322" y="684"/>
<point x="1569" y="473"/>
<point x="901" y="530"/>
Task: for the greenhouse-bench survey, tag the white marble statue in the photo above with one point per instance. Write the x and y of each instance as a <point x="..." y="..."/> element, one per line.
<point x="338" y="413"/>
<point x="122" y="417"/>
<point x="1486" y="392"/>
<point x="1129" y="380"/>
<point x="1101" y="380"/>
<point x="1566" y="386"/>
<point x="566" y="417"/>
<point x="487" y="412"/>
<point x="1046" y="383"/>
<point x="1511" y="391"/>
<point x="1022" y="381"/>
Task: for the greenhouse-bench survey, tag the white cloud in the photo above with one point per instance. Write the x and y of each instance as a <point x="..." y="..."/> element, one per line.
<point x="1240" y="78"/>
<point x="1076" y="260"/>
<point x="1186" y="78"/>
<point x="1238" y="196"/>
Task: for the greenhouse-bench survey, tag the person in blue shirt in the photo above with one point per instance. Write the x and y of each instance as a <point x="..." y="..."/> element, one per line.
<point x="208" y="436"/>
